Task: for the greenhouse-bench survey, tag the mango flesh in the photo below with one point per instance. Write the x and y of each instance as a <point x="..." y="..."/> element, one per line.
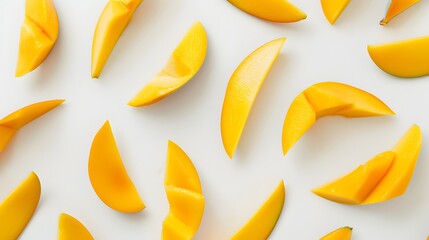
<point x="395" y="8"/>
<point x="242" y="89"/>
<point x="333" y="9"/>
<point x="344" y="233"/>
<point x="69" y="228"/>
<point x="108" y="175"/>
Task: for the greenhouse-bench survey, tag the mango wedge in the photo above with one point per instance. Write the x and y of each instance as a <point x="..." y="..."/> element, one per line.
<point x="344" y="233"/>
<point x="39" y="32"/>
<point x="242" y="89"/>
<point x="18" y="208"/>
<point x="406" y="59"/>
<point x="333" y="9"/>
<point x="10" y="124"/>
<point x="184" y="193"/>
<point x="328" y="99"/>
<point x="265" y="219"/>
<point x="271" y="10"/>
<point x="396" y="7"/>
<point x="69" y="228"/>
<point x="112" y="22"/>
<point x="184" y="63"/>
<point x="108" y="175"/>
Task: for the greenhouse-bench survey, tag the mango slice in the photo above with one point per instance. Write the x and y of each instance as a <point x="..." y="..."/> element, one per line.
<point x="328" y="99"/>
<point x="18" y="208"/>
<point x="344" y="233"/>
<point x="39" y="32"/>
<point x="184" y="193"/>
<point x="406" y="59"/>
<point x="108" y="175"/>
<point x="271" y="10"/>
<point x="10" y="124"/>
<point x="333" y="9"/>
<point x="69" y="228"/>
<point x="112" y="22"/>
<point x="396" y="7"/>
<point x="184" y="63"/>
<point x="242" y="89"/>
<point x="265" y="219"/>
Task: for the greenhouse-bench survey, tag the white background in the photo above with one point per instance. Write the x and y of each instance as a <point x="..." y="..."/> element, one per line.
<point x="56" y="146"/>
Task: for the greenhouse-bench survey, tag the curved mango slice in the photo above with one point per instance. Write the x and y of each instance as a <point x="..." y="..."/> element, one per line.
<point x="69" y="228"/>
<point x="242" y="89"/>
<point x="328" y="99"/>
<point x="39" y="32"/>
<point x="271" y="10"/>
<point x="265" y="219"/>
<point x="108" y="176"/>
<point x="18" y="208"/>
<point x="16" y="120"/>
<point x="112" y="22"/>
<point x="396" y="7"/>
<point x="344" y="233"/>
<point x="183" y="64"/>
<point x="183" y="189"/>
<point x="407" y="59"/>
<point x="333" y="9"/>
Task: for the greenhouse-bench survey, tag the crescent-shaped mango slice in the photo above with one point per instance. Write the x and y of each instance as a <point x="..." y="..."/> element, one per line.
<point x="112" y="22"/>
<point x="271" y="10"/>
<point x="242" y="89"/>
<point x="406" y="59"/>
<point x="265" y="219"/>
<point x="184" y="193"/>
<point x="328" y="99"/>
<point x="108" y="175"/>
<point x="396" y="7"/>
<point x="39" y="32"/>
<point x="10" y="124"/>
<point x="18" y="208"/>
<point x="69" y="228"/>
<point x="333" y="9"/>
<point x="384" y="177"/>
<point x="344" y="233"/>
<point x="184" y="63"/>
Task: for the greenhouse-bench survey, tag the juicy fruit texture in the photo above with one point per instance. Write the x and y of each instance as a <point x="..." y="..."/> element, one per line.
<point x="265" y="219"/>
<point x="272" y="10"/>
<point x="242" y="89"/>
<point x="328" y="99"/>
<point x="18" y="208"/>
<point x="112" y="22"/>
<point x="184" y="63"/>
<point x="39" y="32"/>
<point x="69" y="228"/>
<point x="407" y="59"/>
<point x="333" y="9"/>
<point x="10" y="124"/>
<point x="344" y="233"/>
<point x="108" y="175"/>
<point x="396" y="7"/>
<point x="184" y="193"/>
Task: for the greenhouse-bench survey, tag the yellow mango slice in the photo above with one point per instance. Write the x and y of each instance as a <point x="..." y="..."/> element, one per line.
<point x="10" y="124"/>
<point x="112" y="22"/>
<point x="357" y="185"/>
<point x="344" y="233"/>
<point x="108" y="175"/>
<point x="271" y="10"/>
<point x="333" y="9"/>
<point x="265" y="219"/>
<point x="184" y="63"/>
<point x="39" y="32"/>
<point x="406" y="59"/>
<point x="183" y="189"/>
<point x="242" y="89"/>
<point x="396" y="7"/>
<point x="18" y="208"/>
<point x="69" y="228"/>
<point x="328" y="99"/>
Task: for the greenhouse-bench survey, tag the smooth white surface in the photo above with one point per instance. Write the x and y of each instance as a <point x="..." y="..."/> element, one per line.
<point x="56" y="146"/>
